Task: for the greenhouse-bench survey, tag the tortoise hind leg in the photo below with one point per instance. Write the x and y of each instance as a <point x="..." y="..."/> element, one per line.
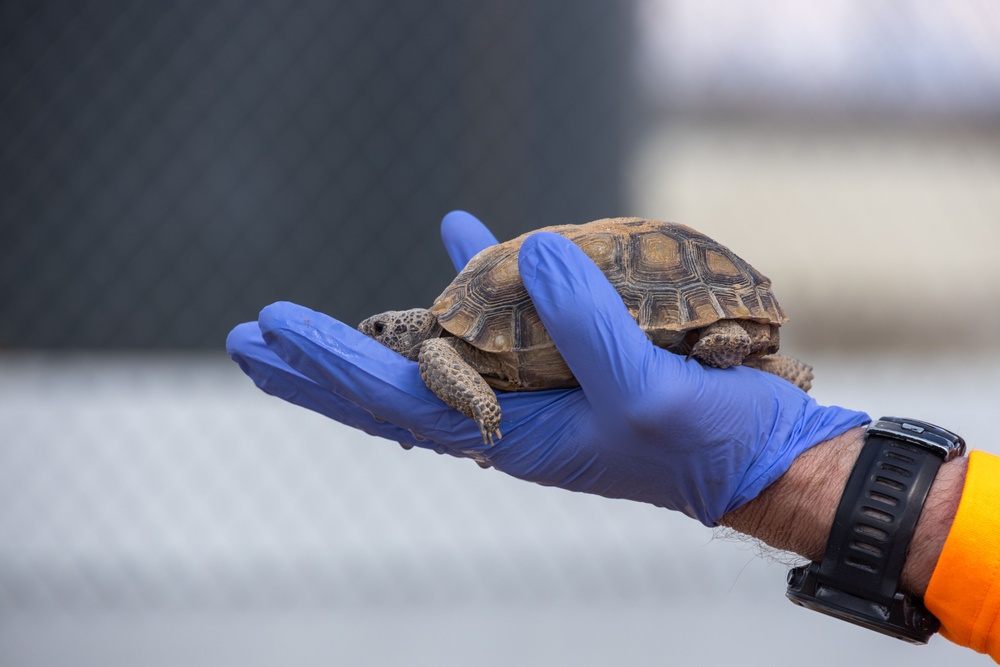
<point x="450" y="376"/>
<point x="798" y="373"/>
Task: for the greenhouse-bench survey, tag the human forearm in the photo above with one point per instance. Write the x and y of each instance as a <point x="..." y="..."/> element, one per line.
<point x="796" y="512"/>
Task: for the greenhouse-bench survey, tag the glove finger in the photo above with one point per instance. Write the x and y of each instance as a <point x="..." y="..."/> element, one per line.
<point x="608" y="353"/>
<point x="360" y="370"/>
<point x="464" y="236"/>
<point x="273" y="376"/>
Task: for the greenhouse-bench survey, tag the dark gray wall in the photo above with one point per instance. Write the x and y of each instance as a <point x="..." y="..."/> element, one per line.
<point x="166" y="169"/>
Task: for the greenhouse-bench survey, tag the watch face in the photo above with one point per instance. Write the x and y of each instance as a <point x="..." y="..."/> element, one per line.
<point x="944" y="442"/>
<point x="906" y="618"/>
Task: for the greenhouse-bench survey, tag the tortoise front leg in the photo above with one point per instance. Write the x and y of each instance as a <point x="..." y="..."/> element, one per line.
<point x="797" y="372"/>
<point x="459" y="385"/>
<point x="722" y="344"/>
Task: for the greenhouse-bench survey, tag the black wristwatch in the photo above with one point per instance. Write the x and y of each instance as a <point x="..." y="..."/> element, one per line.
<point x="858" y="578"/>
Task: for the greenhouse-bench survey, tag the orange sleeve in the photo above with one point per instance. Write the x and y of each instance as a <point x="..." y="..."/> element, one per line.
<point x="964" y="591"/>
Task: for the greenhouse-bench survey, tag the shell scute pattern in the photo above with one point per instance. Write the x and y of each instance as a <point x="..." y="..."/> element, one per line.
<point x="671" y="277"/>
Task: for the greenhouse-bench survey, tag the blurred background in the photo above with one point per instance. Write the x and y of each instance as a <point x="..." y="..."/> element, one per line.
<point x="167" y="169"/>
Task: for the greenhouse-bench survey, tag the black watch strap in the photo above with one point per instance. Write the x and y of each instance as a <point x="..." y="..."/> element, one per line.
<point x="876" y="518"/>
<point x="858" y="578"/>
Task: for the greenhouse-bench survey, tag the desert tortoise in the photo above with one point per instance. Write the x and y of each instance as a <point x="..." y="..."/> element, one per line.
<point x="690" y="295"/>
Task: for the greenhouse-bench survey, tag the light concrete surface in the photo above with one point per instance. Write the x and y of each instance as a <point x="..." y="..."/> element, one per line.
<point x="159" y="510"/>
<point x="712" y="633"/>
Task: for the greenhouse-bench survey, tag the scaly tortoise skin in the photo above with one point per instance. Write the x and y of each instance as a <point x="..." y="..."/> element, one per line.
<point x="690" y="294"/>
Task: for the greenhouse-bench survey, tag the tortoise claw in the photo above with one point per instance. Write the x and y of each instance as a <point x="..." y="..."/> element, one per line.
<point x="488" y="433"/>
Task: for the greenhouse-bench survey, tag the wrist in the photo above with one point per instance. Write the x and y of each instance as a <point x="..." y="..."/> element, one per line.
<point x="934" y="524"/>
<point x="796" y="512"/>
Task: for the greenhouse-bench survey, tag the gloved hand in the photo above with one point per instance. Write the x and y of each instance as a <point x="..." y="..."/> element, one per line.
<point x="645" y="424"/>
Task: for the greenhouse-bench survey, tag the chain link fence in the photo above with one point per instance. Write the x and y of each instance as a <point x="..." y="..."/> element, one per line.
<point x="168" y="168"/>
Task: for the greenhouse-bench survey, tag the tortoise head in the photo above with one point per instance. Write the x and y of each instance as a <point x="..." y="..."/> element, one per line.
<point x="402" y="330"/>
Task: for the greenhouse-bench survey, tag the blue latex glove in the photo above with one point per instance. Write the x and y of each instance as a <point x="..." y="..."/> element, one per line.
<point x="645" y="424"/>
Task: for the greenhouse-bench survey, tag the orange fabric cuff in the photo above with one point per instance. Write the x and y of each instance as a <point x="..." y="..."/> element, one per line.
<point x="964" y="591"/>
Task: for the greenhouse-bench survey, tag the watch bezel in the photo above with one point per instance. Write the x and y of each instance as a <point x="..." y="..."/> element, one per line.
<point x="949" y="445"/>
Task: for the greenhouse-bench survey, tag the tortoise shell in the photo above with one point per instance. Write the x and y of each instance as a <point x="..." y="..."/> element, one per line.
<point x="673" y="280"/>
